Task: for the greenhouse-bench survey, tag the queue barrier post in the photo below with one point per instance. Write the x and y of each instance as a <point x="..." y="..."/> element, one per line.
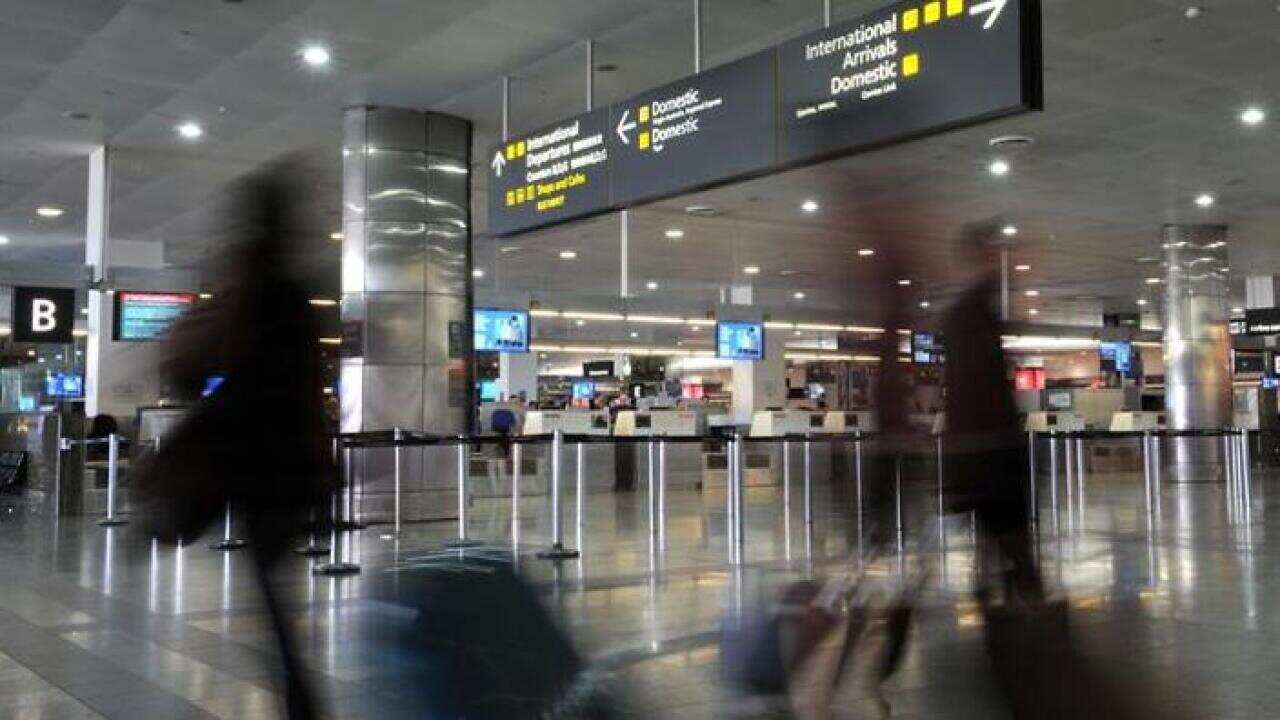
<point x="228" y="542"/>
<point x="517" y="454"/>
<point x="113" y="482"/>
<point x="557" y="551"/>
<point x="462" y="541"/>
<point x="1031" y="477"/>
<point x="739" y="504"/>
<point x="340" y="563"/>
<point x="347" y="520"/>
<point x="578" y="499"/>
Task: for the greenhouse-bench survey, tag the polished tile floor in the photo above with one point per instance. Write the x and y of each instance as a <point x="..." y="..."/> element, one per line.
<point x="1185" y="597"/>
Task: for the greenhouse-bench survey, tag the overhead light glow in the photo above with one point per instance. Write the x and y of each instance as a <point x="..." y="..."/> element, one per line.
<point x="48" y="211"/>
<point x="651" y="285"/>
<point x="924" y="304"/>
<point x="315" y="55"/>
<point x="190" y="130"/>
<point x="998" y="168"/>
<point x="1153" y="281"/>
<point x="751" y="270"/>
<point x="655" y="319"/>
<point x="579" y="323"/>
<point x="1009" y="230"/>
<point x="866" y="252"/>
<point x="1022" y="268"/>
<point x="1253" y="116"/>
<point x="4" y="239"/>
<point x="477" y="273"/>
<point x="568" y="255"/>
<point x="809" y="206"/>
<point x="323" y="302"/>
<point x="1033" y="311"/>
<point x="1033" y="293"/>
<point x="798" y="296"/>
<point x="904" y="282"/>
<point x="1142" y="302"/>
<point x="674" y="233"/>
<point x="336" y="236"/>
<point x="1205" y="200"/>
<point x="1237" y="311"/>
<point x="584" y="315"/>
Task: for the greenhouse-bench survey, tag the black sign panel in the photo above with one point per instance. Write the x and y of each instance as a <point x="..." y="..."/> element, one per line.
<point x="550" y="175"/>
<point x="1263" y="321"/>
<point x="598" y="369"/>
<point x="907" y="70"/>
<point x="699" y="130"/>
<point x="43" y="315"/>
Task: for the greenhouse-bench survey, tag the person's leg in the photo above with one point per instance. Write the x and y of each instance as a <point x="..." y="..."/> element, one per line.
<point x="267" y="546"/>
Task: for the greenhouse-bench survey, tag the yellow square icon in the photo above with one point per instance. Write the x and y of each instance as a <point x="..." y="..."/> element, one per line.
<point x="520" y="149"/>
<point x="529" y="192"/>
<point x="644" y="113"/>
<point x="519" y="195"/>
<point x="910" y="19"/>
<point x="955" y="7"/>
<point x="911" y="65"/>
<point x="511" y="152"/>
<point x="511" y="198"/>
<point x="643" y="142"/>
<point x="932" y="13"/>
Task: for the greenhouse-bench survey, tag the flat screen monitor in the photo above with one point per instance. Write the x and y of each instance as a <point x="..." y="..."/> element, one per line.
<point x="1116" y="357"/>
<point x="501" y="330"/>
<point x="740" y="340"/>
<point x="925" y="349"/>
<point x="64" y="385"/>
<point x="142" y="316"/>
<point x="488" y="390"/>
<point x="598" y="369"/>
<point x="211" y="385"/>
<point x="816" y="421"/>
<point x="644" y="422"/>
<point x="584" y="390"/>
<point x="1270" y="382"/>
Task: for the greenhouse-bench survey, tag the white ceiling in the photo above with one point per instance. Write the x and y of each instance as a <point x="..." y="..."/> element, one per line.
<point x="1140" y="117"/>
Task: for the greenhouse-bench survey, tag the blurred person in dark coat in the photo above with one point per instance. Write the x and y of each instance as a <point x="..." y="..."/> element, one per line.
<point x="985" y="448"/>
<point x="259" y="439"/>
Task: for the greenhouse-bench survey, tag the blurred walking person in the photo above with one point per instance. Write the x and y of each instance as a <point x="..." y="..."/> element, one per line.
<point x="259" y="440"/>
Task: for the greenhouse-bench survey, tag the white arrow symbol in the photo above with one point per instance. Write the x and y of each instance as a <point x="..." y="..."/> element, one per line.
<point x="995" y="7"/>
<point x="624" y="126"/>
<point x="498" y="163"/>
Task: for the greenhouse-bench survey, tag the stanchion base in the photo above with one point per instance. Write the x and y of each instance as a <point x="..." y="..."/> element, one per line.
<point x="349" y="525"/>
<point x="336" y="568"/>
<point x="112" y="522"/>
<point x="459" y="543"/>
<point x="312" y="550"/>
<point x="231" y="544"/>
<point x="559" y="552"/>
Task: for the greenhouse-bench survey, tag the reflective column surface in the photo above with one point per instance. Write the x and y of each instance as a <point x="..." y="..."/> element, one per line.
<point x="1174" y="594"/>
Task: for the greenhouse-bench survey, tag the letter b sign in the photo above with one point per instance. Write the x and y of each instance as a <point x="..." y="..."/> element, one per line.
<point x="43" y="315"/>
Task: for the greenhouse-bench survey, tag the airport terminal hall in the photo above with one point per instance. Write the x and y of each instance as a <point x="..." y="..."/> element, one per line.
<point x="639" y="359"/>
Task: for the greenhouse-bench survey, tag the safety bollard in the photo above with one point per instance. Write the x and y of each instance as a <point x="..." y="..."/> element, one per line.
<point x="113" y="481"/>
<point x="897" y="502"/>
<point x="399" y="469"/>
<point x="340" y="563"/>
<point x="462" y="541"/>
<point x="557" y="551"/>
<point x="347" y="520"/>
<point x="516" y="461"/>
<point x="228" y="542"/>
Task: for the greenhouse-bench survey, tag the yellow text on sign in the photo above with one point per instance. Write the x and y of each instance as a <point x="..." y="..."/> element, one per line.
<point x="932" y="13"/>
<point x="955" y="7"/>
<point x="911" y="19"/>
<point x="911" y="65"/>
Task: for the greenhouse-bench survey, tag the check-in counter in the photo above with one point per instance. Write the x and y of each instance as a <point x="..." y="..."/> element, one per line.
<point x="1049" y="421"/>
<point x="850" y="421"/>
<point x="1131" y="421"/>
<point x="490" y="473"/>
<point x="570" y="422"/>
<point x="684" y="460"/>
<point x="773" y="423"/>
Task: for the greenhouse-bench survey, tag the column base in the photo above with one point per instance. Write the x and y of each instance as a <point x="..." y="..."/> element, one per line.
<point x="335" y="569"/>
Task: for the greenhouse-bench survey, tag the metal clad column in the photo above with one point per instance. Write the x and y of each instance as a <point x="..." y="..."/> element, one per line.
<point x="1197" y="346"/>
<point x="406" y="294"/>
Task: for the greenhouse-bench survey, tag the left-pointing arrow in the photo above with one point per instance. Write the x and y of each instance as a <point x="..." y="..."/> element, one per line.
<point x="994" y="7"/>
<point x="624" y="125"/>
<point x="498" y="163"/>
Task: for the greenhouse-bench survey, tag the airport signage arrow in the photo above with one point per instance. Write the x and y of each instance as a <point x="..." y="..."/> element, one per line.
<point x="625" y="126"/>
<point x="498" y="163"/>
<point x="992" y="9"/>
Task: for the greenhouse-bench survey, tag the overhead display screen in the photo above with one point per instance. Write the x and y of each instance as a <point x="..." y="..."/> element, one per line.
<point x="501" y="331"/>
<point x="64" y="385"/>
<point x="42" y="314"/>
<point x="142" y="316"/>
<point x="550" y="175"/>
<point x="699" y="130"/>
<point x="907" y="70"/>
<point x="1116" y="357"/>
<point x="740" y="340"/>
<point x="1262" y="321"/>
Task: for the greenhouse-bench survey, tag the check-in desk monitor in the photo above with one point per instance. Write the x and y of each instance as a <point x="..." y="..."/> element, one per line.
<point x="1131" y="421"/>
<point x="850" y="421"/>
<point x="774" y="423"/>
<point x="1048" y="421"/>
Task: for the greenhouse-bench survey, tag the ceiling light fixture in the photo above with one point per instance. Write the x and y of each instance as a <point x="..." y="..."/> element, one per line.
<point x="1253" y="116"/>
<point x="568" y="255"/>
<point x="652" y="285"/>
<point x="1033" y="311"/>
<point x="1142" y="302"/>
<point x="924" y="304"/>
<point x="999" y="168"/>
<point x="4" y="239"/>
<point x="810" y="206"/>
<point x="634" y="335"/>
<point x="477" y="273"/>
<point x="798" y="296"/>
<point x="323" y="302"/>
<point x="1153" y="281"/>
<point x="866" y="252"/>
<point x="1033" y="293"/>
<point x="674" y="233"/>
<point x="751" y="270"/>
<point x="49" y="211"/>
<point x="190" y="130"/>
<point x="1022" y="268"/>
<point x="1192" y="12"/>
<point x="1205" y="200"/>
<point x="1237" y="311"/>
<point x="579" y="323"/>
<point x="315" y="55"/>
<point x="336" y="236"/>
<point x="904" y="282"/>
<point x="1009" y="230"/>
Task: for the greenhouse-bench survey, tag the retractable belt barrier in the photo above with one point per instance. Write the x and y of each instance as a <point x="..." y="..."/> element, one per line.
<point x="113" y="443"/>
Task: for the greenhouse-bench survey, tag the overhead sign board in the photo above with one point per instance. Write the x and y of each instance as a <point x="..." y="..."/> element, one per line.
<point x="906" y="71"/>
<point x="700" y="130"/>
<point x="550" y="175"/>
<point x="1262" y="321"/>
<point x="43" y="315"/>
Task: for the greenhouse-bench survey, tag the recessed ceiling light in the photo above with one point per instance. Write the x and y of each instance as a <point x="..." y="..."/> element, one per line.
<point x="1253" y="116"/>
<point x="1153" y="281"/>
<point x="904" y="282"/>
<point x="4" y="239"/>
<point x="1192" y="12"/>
<point x="652" y="285"/>
<point x="866" y="252"/>
<point x="751" y="270"/>
<point x="1205" y="200"/>
<point x="1237" y="311"/>
<point x="323" y="302"/>
<point x="674" y="233"/>
<point x="568" y="255"/>
<point x="579" y="322"/>
<point x="49" y="211"/>
<point x="315" y="55"/>
<point x="1033" y="311"/>
<point x="695" y="328"/>
<point x="798" y="296"/>
<point x="509" y="249"/>
<point x="1033" y="293"/>
<point x="634" y="335"/>
<point x="809" y="206"/>
<point x="1009" y="230"/>
<point x="924" y="304"/>
<point x="336" y="236"/>
<point x="1022" y="268"/>
<point x="1142" y="302"/>
<point x="477" y="273"/>
<point x="190" y="130"/>
<point x="798" y="333"/>
<point x="998" y="168"/>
